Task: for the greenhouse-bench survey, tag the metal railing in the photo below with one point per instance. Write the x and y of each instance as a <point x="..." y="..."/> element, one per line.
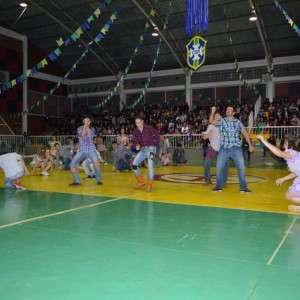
<point x="20" y="143"/>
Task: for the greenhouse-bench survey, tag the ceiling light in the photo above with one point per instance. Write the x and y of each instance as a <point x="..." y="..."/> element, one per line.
<point x="155" y="31"/>
<point x="23" y="4"/>
<point x="253" y="16"/>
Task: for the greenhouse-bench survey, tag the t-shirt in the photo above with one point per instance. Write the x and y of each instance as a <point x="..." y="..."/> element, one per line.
<point x="214" y="139"/>
<point x="10" y="164"/>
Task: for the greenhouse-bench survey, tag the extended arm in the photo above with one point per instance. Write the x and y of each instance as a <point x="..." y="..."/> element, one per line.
<point x="280" y="181"/>
<point x="274" y="149"/>
<point x="211" y="116"/>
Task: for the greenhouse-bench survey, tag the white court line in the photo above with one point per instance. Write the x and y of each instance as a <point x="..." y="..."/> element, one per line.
<point x="77" y="208"/>
<point x="59" y="213"/>
<point x="282" y="241"/>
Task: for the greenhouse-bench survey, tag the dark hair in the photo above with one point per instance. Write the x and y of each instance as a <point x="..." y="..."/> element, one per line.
<point x="76" y="140"/>
<point x="229" y="105"/>
<point x="87" y="117"/>
<point x="139" y="117"/>
<point x="294" y="144"/>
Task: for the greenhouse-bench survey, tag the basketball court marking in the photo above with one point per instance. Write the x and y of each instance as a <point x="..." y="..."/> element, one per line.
<point x="282" y="241"/>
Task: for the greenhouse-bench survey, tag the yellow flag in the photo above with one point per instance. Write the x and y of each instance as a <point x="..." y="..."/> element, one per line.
<point x="59" y="42"/>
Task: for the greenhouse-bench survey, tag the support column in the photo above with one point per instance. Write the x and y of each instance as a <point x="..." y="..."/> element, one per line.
<point x="122" y="94"/>
<point x="25" y="91"/>
<point x="270" y="90"/>
<point x="188" y="90"/>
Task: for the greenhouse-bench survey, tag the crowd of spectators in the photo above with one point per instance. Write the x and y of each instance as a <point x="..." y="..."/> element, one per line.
<point x="280" y="112"/>
<point x="178" y="119"/>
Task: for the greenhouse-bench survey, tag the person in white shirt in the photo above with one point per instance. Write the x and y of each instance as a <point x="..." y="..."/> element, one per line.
<point x="14" y="167"/>
<point x="212" y="133"/>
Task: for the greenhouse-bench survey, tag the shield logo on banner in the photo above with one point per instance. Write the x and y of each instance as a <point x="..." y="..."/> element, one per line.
<point x="196" y="50"/>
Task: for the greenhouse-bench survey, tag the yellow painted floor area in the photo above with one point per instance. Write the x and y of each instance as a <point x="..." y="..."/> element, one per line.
<point x="180" y="184"/>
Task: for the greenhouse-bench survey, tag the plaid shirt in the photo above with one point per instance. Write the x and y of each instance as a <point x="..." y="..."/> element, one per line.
<point x="230" y="132"/>
<point x="86" y="143"/>
<point x="148" y="137"/>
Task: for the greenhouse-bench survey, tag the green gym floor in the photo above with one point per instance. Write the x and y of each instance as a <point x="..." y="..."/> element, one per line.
<point x="179" y="242"/>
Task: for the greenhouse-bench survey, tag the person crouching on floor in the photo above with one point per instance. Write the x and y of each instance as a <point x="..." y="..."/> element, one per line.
<point x="14" y="167"/>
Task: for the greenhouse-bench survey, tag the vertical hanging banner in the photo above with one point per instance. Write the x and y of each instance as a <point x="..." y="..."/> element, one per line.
<point x="196" y="22"/>
<point x="196" y="16"/>
<point x="196" y="52"/>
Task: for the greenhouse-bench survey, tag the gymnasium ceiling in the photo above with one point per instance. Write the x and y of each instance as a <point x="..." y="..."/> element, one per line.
<point x="45" y="21"/>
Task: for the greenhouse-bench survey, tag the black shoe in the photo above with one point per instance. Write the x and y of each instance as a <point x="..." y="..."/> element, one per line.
<point x="91" y="177"/>
<point x="74" y="184"/>
<point x="99" y="183"/>
<point x="215" y="190"/>
<point x="246" y="191"/>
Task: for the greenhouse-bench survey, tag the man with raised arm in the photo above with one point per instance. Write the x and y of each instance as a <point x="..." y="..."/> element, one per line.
<point x="230" y="129"/>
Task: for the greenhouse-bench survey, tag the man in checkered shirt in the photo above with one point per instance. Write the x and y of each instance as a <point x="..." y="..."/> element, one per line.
<point x="230" y="129"/>
<point x="87" y="149"/>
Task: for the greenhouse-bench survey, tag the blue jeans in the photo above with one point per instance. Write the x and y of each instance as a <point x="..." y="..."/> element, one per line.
<point x="8" y="181"/>
<point x="66" y="164"/>
<point x="88" y="167"/>
<point x="236" y="154"/>
<point x="123" y="163"/>
<point x="141" y="156"/>
<point x="80" y="156"/>
<point x="210" y="155"/>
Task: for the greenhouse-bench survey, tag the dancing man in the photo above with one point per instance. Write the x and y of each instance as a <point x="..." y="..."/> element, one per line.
<point x="86" y="149"/>
<point x="145" y="140"/>
<point x="230" y="129"/>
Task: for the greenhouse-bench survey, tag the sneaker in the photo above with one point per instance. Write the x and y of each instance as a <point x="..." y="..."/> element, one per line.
<point x="99" y="183"/>
<point x="74" y="184"/>
<point x="294" y="208"/>
<point x="19" y="186"/>
<point x="215" y="190"/>
<point x="45" y="173"/>
<point x="246" y="191"/>
<point x="105" y="164"/>
<point x="91" y="177"/>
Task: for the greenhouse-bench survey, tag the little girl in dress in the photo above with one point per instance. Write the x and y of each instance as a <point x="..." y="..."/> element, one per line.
<point x="292" y="156"/>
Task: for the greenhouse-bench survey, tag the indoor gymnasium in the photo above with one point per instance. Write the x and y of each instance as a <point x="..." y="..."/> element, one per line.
<point x="145" y="77"/>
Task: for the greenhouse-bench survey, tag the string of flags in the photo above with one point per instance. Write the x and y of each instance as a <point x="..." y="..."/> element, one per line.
<point x="97" y="39"/>
<point x="288" y="18"/>
<point x="142" y="95"/>
<point x="253" y="87"/>
<point x="53" y="56"/>
<point x="129" y="65"/>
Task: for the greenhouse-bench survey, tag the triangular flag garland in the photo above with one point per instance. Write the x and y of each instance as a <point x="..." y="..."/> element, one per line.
<point x="86" y="50"/>
<point x="288" y="19"/>
<point x="57" y="52"/>
<point x="255" y="88"/>
<point x="129" y="65"/>
<point x="146" y="86"/>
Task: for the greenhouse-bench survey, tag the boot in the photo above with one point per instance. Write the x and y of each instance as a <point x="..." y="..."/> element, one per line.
<point x="149" y="185"/>
<point x="140" y="182"/>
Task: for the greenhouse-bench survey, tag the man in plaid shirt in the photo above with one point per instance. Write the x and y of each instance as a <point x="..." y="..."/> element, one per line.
<point x="230" y="129"/>
<point x="87" y="149"/>
<point x="145" y="140"/>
